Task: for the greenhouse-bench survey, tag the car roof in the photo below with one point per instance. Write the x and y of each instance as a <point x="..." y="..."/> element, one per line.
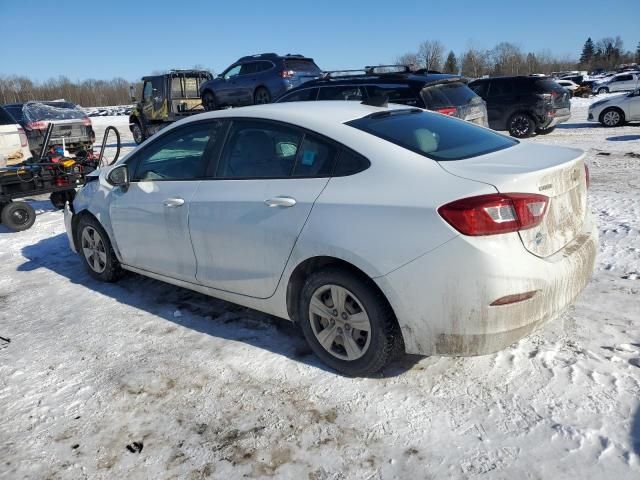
<point x="414" y="78"/>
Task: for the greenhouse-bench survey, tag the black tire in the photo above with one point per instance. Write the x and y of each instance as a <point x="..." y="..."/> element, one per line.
<point x="545" y="131"/>
<point x="384" y="338"/>
<point x="612" y="117"/>
<point x="18" y="216"/>
<point x="602" y="90"/>
<point x="112" y="270"/>
<point x="138" y="133"/>
<point x="521" y="125"/>
<point x="261" y="96"/>
<point x="58" y="199"/>
<point x="209" y="101"/>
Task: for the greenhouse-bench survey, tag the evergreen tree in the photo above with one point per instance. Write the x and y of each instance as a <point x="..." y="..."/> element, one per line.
<point x="451" y="63"/>
<point x="638" y="53"/>
<point x="588" y="52"/>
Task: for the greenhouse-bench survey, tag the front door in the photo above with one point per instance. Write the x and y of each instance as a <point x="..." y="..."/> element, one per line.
<point x="245" y="223"/>
<point x="150" y="217"/>
<point x="634" y="106"/>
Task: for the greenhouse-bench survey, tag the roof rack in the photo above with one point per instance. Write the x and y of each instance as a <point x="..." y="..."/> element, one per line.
<point x="368" y="70"/>
<point x="387" y="69"/>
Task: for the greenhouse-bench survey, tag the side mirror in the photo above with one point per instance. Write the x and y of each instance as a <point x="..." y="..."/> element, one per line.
<point x="119" y="176"/>
<point x="132" y="93"/>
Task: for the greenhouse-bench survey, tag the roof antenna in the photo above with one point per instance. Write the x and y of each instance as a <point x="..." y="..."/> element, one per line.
<point x="377" y="101"/>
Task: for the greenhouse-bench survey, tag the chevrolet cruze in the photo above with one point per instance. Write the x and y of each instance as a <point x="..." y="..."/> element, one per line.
<point x="380" y="230"/>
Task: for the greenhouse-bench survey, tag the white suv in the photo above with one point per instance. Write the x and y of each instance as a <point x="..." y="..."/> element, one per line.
<point x="622" y="82"/>
<point x="14" y="146"/>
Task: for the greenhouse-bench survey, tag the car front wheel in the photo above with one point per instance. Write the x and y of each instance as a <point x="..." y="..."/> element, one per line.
<point x="96" y="251"/>
<point x="603" y="90"/>
<point x="261" y="96"/>
<point x="612" y="117"/>
<point x="208" y="101"/>
<point x="521" y="125"/>
<point x="348" y="323"/>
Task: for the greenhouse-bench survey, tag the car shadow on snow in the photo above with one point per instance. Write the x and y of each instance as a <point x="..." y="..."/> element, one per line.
<point x="187" y="308"/>
<point x="623" y="138"/>
<point x="569" y="126"/>
<point x="635" y="432"/>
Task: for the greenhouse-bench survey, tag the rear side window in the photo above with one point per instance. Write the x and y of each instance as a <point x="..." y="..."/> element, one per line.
<point x="315" y="158"/>
<point x="481" y="88"/>
<point x="502" y="87"/>
<point x="16" y="112"/>
<point x="304" y="95"/>
<point x="454" y="94"/>
<point x="248" y="68"/>
<point x="343" y="92"/>
<point x="303" y="66"/>
<point x="349" y="163"/>
<point x="434" y="136"/>
<point x="547" y="86"/>
<point x="263" y="66"/>
<point x="5" y="118"/>
<point x="395" y="93"/>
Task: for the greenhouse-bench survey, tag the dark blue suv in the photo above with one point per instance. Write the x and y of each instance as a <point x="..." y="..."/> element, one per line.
<point x="257" y="79"/>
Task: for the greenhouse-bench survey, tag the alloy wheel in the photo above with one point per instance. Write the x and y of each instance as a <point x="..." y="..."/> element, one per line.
<point x="520" y="125"/>
<point x="339" y="322"/>
<point x="262" y="97"/>
<point x="611" y="118"/>
<point x="94" y="250"/>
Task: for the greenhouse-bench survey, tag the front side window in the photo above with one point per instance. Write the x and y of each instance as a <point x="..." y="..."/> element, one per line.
<point x="147" y="91"/>
<point x="434" y="136"/>
<point x="177" y="155"/>
<point x="256" y="149"/>
<point x="343" y="92"/>
<point x="232" y="72"/>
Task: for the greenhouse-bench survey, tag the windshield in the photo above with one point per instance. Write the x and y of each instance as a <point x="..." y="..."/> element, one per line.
<point x="35" y="112"/>
<point x="432" y="135"/>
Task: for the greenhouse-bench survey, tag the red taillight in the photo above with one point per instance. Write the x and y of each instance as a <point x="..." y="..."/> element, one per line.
<point x="447" y="110"/>
<point x="287" y="73"/>
<point x="37" y="125"/>
<point x="24" y="142"/>
<point x="586" y="175"/>
<point x="86" y="121"/>
<point x="495" y="213"/>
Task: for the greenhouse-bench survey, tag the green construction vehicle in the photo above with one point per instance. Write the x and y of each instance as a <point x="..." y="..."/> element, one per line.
<point x="166" y="98"/>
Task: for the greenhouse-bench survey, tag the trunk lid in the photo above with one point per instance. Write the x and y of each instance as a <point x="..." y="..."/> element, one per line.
<point x="555" y="172"/>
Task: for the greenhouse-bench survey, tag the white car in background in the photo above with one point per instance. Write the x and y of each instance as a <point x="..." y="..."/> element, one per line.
<point x="14" y="146"/>
<point x="620" y="82"/>
<point x="380" y="230"/>
<point x="568" y="84"/>
<point x="616" y="110"/>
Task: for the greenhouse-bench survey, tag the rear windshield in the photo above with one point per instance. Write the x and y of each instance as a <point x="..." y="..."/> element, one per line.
<point x="435" y="136"/>
<point x="35" y="112"/>
<point x="5" y="118"/>
<point x="306" y="66"/>
<point x="454" y="94"/>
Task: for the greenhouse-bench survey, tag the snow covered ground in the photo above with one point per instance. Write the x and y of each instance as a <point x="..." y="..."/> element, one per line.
<point x="144" y="380"/>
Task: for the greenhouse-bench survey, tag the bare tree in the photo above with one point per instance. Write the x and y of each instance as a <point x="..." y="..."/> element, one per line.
<point x="475" y="63"/>
<point x="409" y="59"/>
<point x="430" y="54"/>
<point x="507" y="59"/>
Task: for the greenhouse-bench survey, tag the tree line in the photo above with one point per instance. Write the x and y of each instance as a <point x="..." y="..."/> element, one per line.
<point x="508" y="59"/>
<point x="88" y="93"/>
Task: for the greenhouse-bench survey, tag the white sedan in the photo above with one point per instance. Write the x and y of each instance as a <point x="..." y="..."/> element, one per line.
<point x="380" y="230"/>
<point x="616" y="110"/>
<point x="568" y="84"/>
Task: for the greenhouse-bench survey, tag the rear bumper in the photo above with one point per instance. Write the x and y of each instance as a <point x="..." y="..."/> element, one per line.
<point x="442" y="299"/>
<point x="557" y="120"/>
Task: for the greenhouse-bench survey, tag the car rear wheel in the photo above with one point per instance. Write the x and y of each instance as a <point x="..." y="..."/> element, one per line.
<point x="208" y="101"/>
<point x="95" y="248"/>
<point x="612" y="117"/>
<point x="261" y="96"/>
<point x="545" y="131"/>
<point x="521" y="125"/>
<point x="603" y="90"/>
<point x="138" y="134"/>
<point x="18" y="216"/>
<point x="348" y="323"/>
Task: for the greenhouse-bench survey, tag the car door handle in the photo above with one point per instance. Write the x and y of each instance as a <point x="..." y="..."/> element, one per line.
<point x="280" y="202"/>
<point x="173" y="202"/>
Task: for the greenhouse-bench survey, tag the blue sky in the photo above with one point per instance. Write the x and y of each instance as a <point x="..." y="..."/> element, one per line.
<point x="90" y="39"/>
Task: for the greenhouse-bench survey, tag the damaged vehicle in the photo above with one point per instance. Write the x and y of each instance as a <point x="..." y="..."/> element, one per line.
<point x="379" y="230"/>
<point x="72" y="127"/>
<point x="166" y="98"/>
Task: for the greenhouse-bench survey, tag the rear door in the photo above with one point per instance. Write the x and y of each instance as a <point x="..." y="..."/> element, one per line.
<point x="150" y="218"/>
<point x="244" y="222"/>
